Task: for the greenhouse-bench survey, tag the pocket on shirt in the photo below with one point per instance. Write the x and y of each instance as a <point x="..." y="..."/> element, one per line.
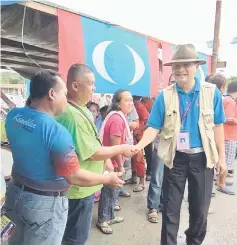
<point x="169" y="125"/>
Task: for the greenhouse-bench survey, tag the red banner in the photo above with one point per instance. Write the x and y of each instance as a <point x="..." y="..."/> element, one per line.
<point x="167" y="52"/>
<point x="70" y="41"/>
<point x="153" y="46"/>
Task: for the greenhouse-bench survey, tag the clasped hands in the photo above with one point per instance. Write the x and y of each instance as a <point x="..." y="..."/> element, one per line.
<point x="129" y="150"/>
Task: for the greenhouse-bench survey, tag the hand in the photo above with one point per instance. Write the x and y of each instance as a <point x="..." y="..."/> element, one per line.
<point x="221" y="167"/>
<point x="109" y="166"/>
<point x="235" y="120"/>
<point x="133" y="125"/>
<point x="113" y="180"/>
<point x="127" y="150"/>
<point x="121" y="169"/>
<point x="136" y="149"/>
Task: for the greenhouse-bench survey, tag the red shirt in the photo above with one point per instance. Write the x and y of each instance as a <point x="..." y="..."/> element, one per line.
<point x="148" y="104"/>
<point x="143" y="117"/>
<point x="115" y="126"/>
<point x="230" y="107"/>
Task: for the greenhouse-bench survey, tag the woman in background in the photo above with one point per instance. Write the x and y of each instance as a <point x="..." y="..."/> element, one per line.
<point x="114" y="131"/>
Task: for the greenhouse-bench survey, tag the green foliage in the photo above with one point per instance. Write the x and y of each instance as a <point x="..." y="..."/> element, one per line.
<point x="11" y="78"/>
<point x="232" y="79"/>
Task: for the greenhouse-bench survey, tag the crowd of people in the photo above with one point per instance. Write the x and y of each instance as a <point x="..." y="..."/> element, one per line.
<point x="70" y="152"/>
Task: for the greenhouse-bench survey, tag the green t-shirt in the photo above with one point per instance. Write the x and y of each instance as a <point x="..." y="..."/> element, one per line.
<point x="86" y="145"/>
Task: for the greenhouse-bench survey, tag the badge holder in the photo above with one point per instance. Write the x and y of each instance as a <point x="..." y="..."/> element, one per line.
<point x="183" y="142"/>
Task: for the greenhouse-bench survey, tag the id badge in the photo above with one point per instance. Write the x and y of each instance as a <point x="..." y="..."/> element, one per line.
<point x="183" y="141"/>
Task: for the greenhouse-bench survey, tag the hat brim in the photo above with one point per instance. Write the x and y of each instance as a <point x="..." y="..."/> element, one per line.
<point x="200" y="62"/>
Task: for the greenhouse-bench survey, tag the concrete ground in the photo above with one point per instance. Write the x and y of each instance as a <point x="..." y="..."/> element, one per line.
<point x="136" y="230"/>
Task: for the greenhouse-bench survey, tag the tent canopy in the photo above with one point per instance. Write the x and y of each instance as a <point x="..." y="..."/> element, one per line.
<point x="29" y="39"/>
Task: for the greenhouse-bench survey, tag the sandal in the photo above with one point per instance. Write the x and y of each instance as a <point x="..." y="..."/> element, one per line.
<point x="117" y="207"/>
<point x="123" y="193"/>
<point x="226" y="190"/>
<point x="153" y="216"/>
<point x="104" y="228"/>
<point x="116" y="220"/>
<point x="130" y="181"/>
<point x="139" y="188"/>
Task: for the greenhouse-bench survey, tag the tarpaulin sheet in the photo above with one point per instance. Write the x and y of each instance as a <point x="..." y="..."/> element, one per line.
<point x="70" y="41"/>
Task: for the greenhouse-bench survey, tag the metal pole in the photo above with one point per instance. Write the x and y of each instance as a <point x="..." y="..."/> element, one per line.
<point x="215" y="50"/>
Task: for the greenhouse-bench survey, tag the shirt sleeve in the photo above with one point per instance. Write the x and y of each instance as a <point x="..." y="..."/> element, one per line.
<point x="219" y="114"/>
<point x="62" y="151"/>
<point x="156" y="119"/>
<point x="116" y="126"/>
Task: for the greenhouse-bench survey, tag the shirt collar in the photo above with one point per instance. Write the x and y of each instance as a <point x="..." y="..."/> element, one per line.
<point x="196" y="87"/>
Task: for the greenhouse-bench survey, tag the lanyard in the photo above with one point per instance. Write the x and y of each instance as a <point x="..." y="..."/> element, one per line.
<point x="88" y="119"/>
<point x="182" y="117"/>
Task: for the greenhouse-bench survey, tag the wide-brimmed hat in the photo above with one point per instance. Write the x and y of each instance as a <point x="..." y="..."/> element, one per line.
<point x="185" y="53"/>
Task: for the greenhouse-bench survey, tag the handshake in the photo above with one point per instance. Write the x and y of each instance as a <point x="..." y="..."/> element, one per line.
<point x="129" y="150"/>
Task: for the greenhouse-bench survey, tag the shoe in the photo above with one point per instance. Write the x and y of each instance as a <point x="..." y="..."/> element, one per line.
<point x="148" y="178"/>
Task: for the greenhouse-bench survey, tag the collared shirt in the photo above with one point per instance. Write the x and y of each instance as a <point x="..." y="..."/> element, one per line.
<point x="42" y="150"/>
<point x="190" y="123"/>
<point x="86" y="144"/>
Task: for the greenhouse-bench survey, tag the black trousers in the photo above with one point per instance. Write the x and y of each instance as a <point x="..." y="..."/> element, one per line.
<point x="191" y="167"/>
<point x="148" y="155"/>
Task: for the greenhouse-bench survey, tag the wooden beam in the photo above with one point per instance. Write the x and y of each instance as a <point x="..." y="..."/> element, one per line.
<point x="7" y="100"/>
<point x="215" y="50"/>
<point x="41" y="7"/>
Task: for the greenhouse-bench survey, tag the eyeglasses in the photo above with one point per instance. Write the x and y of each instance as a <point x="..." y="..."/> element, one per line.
<point x="180" y="65"/>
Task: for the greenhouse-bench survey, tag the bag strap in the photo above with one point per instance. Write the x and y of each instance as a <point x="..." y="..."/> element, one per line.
<point x="88" y="119"/>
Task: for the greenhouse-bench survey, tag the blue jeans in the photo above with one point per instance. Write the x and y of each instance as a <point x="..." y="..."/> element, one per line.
<point x="79" y="221"/>
<point x="155" y="187"/>
<point x="107" y="203"/>
<point x="40" y="220"/>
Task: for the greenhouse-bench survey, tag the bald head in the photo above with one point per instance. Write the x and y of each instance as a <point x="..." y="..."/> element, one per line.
<point x="76" y="71"/>
<point x="80" y="82"/>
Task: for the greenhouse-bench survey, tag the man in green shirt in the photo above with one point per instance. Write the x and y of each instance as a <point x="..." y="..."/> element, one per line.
<point x="92" y="155"/>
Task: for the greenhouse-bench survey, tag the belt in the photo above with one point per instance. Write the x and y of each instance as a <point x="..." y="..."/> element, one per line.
<point x="37" y="192"/>
<point x="192" y="150"/>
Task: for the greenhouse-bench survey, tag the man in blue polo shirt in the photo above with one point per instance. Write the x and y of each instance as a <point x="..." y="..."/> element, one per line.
<point x="45" y="164"/>
<point x="189" y="116"/>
